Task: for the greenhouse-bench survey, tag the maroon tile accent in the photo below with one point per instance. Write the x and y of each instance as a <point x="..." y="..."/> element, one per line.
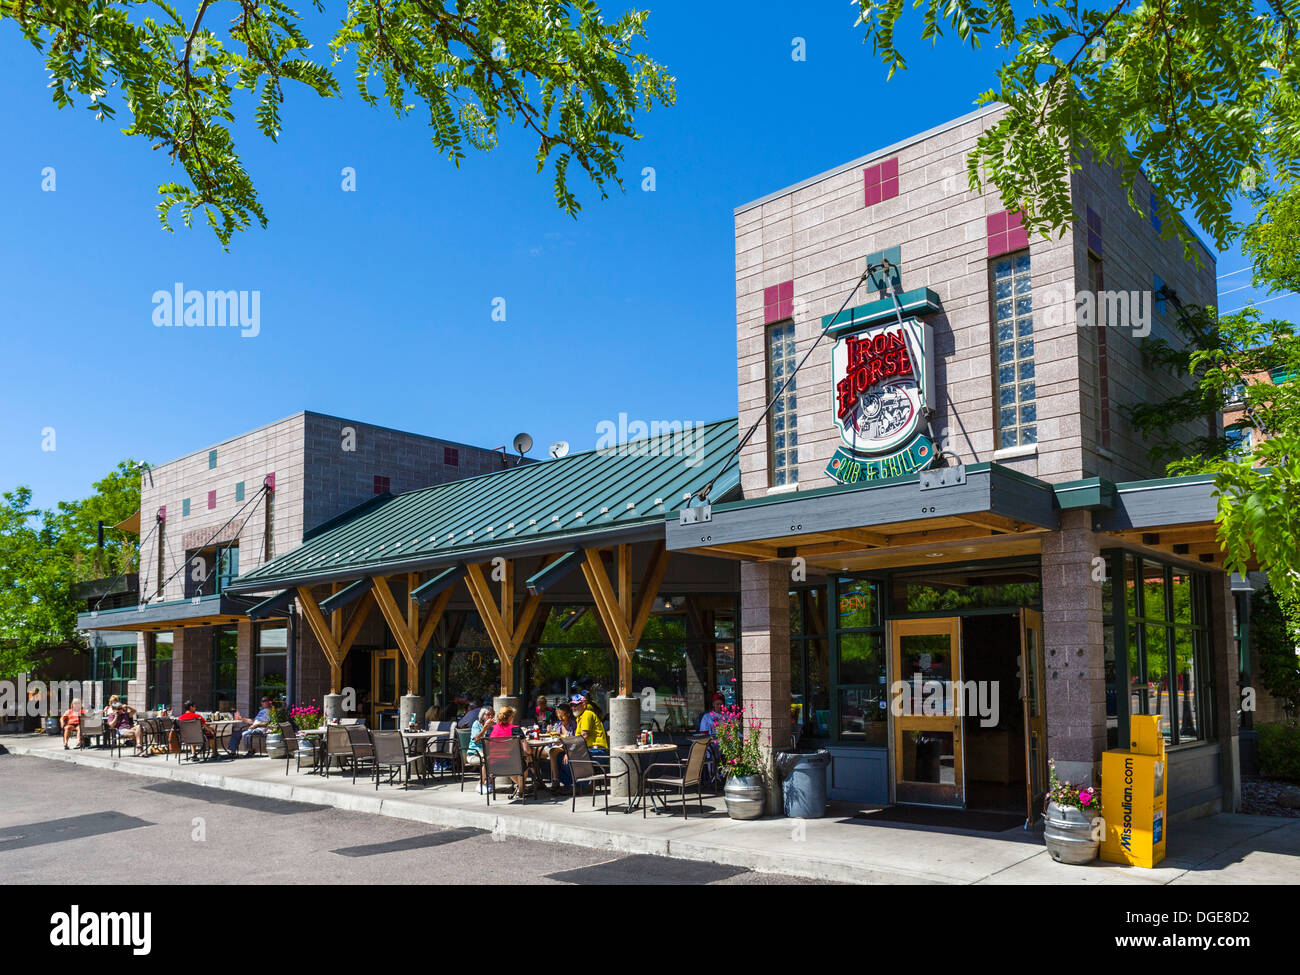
<point x="451" y="456"/>
<point x="1094" y="231"/>
<point x="1006" y="233"/>
<point x="269" y="482"/>
<point x="381" y="484"/>
<point x="162" y="513"/>
<point x="212" y="500"/>
<point x="880" y="182"/>
<point x="778" y="302"/>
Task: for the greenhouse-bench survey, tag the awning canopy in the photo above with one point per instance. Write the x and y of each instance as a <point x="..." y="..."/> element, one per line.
<point x="218" y="610"/>
<point x="618" y="494"/>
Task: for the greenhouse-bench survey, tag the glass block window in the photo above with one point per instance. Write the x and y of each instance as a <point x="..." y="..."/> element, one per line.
<point x="1013" y="323"/>
<point x="783" y="422"/>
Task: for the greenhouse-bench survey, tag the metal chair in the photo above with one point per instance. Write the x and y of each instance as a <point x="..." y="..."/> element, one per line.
<point x="689" y="774"/>
<point x="92" y="726"/>
<point x="465" y="758"/>
<point x="363" y="747"/>
<point x="505" y="759"/>
<point x="390" y="753"/>
<point x="584" y="770"/>
<point x="193" y="737"/>
<point x="291" y="749"/>
<point x="443" y="749"/>
<point x="338" y="747"/>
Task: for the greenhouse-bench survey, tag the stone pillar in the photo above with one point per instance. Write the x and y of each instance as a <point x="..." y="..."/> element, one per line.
<point x="624" y="726"/>
<point x="332" y="707"/>
<point x="1073" y="651"/>
<point x="411" y="704"/>
<point x="1225" y="670"/>
<point x="765" y="660"/>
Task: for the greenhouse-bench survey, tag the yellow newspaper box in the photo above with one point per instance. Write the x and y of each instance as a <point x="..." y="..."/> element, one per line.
<point x="1133" y="796"/>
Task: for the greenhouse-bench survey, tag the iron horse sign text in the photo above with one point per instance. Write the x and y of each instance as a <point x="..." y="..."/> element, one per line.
<point x="883" y="378"/>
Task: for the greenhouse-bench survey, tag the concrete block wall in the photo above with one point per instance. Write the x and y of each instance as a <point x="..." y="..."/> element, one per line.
<point x="249" y="458"/>
<point x="818" y="234"/>
<point x="1133" y="254"/>
<point x="344" y="457"/>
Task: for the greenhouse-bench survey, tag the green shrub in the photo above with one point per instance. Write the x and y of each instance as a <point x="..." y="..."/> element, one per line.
<point x="1279" y="750"/>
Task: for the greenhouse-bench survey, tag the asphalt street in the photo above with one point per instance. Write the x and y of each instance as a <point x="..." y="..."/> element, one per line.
<point x="59" y="820"/>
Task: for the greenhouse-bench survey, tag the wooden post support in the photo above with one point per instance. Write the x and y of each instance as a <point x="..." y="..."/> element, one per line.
<point x="506" y="625"/>
<point x="624" y="618"/>
<point x="412" y="637"/>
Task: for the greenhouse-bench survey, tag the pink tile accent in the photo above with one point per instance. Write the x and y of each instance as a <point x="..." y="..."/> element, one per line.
<point x="880" y="182"/>
<point x="270" y="482"/>
<point x="1006" y="233"/>
<point x="778" y="302"/>
<point x="212" y="500"/>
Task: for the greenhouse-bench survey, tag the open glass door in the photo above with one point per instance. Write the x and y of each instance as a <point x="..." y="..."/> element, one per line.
<point x="1032" y="697"/>
<point x="383" y="686"/>
<point x="927" y="727"/>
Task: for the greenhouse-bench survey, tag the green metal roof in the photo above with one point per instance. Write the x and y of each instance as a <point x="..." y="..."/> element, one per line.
<point x="541" y="507"/>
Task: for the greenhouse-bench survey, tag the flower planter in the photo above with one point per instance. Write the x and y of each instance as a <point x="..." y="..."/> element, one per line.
<point x="275" y="745"/>
<point x="744" y="795"/>
<point x="1067" y="832"/>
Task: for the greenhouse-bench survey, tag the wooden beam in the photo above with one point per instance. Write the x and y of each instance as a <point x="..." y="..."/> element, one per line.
<point x="359" y="616"/>
<point x="654" y="577"/>
<point x="435" y="616"/>
<point x="397" y="625"/>
<point x="625" y="584"/>
<point x="1000" y="523"/>
<point x="861" y="535"/>
<point x="324" y="636"/>
<point x="508" y="597"/>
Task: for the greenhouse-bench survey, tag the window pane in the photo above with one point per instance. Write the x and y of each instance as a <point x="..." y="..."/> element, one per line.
<point x="1013" y="319"/>
<point x="1137" y="683"/>
<point x="1181" y="595"/>
<point x="796" y="614"/>
<point x="1160" y="695"/>
<point x="1153" y="591"/>
<point x="1186" y="674"/>
<point x="860" y="658"/>
<point x="816" y="711"/>
<point x="863" y="715"/>
<point x="783" y="419"/>
<point x="926" y="660"/>
<point x="859" y="607"/>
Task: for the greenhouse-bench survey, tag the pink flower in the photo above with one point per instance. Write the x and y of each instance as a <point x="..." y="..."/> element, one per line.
<point x="1085" y="797"/>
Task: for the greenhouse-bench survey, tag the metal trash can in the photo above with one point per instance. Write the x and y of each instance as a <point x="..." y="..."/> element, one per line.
<point x="803" y="782"/>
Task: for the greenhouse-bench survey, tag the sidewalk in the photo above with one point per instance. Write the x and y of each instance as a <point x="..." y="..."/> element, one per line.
<point x="1223" y="849"/>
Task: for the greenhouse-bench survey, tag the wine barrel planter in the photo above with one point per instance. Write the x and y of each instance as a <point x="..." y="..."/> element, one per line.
<point x="1067" y="832"/>
<point x="744" y="796"/>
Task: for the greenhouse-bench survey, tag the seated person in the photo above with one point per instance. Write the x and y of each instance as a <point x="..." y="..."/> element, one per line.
<point x="478" y="731"/>
<point x="709" y="723"/>
<point x="189" y="714"/>
<point x="565" y="727"/>
<point x="433" y="715"/>
<point x="541" y="711"/>
<point x="255" y="728"/>
<point x="121" y="718"/>
<point x="589" y="728"/>
<point x="71" y="721"/>
<point x="505" y="727"/>
<point x="472" y="714"/>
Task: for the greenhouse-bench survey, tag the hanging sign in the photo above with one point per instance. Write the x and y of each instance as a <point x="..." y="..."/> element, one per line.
<point x="884" y="377"/>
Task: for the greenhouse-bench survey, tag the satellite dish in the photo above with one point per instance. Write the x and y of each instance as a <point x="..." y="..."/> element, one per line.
<point x="560" y="448"/>
<point x="523" y="444"/>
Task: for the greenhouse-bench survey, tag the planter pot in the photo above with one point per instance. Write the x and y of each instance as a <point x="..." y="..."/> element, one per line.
<point x="744" y="795"/>
<point x="306" y="751"/>
<point x="1068" y="834"/>
<point x="275" y="745"/>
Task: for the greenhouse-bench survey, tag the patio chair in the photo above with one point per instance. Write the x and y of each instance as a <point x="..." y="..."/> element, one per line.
<point x="585" y="771"/>
<point x="505" y="759"/>
<point x="714" y="774"/>
<point x="688" y="774"/>
<point x="390" y="753"/>
<point x="443" y="750"/>
<point x="193" y="739"/>
<point x="338" y="747"/>
<point x="291" y="750"/>
<point x="363" y="747"/>
<point x="92" y="726"/>
<point x="466" y="760"/>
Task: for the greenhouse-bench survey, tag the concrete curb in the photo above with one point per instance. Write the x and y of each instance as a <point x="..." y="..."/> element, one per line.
<point x="519" y="827"/>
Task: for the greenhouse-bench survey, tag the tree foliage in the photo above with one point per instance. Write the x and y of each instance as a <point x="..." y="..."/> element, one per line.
<point x="44" y="553"/>
<point x="552" y="67"/>
<point x="1275" y="637"/>
<point x="1204" y="96"/>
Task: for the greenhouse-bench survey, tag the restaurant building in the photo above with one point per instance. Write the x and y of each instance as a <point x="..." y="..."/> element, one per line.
<point x="931" y="543"/>
<point x="173" y="631"/>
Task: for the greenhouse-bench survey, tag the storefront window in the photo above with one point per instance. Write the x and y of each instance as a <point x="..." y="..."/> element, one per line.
<point x="114" y="667"/>
<point x="977" y="589"/>
<point x="158" y="691"/>
<point x="810" y="678"/>
<point x="1167" y="640"/>
<point x="269" y="662"/>
<point x="859" y="665"/>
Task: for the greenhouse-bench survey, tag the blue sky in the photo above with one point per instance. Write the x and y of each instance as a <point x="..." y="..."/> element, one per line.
<point x="377" y="304"/>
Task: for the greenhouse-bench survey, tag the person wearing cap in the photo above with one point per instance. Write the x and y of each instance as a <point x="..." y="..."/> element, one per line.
<point x="589" y="727"/>
<point x="709" y="723"/>
<point x="258" y="726"/>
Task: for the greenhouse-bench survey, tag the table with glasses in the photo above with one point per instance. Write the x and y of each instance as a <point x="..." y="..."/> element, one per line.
<point x="636" y="755"/>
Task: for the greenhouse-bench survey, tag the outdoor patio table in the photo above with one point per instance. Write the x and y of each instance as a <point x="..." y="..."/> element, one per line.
<point x="417" y="743"/>
<point x="537" y="748"/>
<point x="639" y="753"/>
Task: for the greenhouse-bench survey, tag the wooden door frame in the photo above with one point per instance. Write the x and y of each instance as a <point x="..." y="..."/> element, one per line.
<point x="1032" y="619"/>
<point x="395" y="654"/>
<point x="896" y="629"/>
